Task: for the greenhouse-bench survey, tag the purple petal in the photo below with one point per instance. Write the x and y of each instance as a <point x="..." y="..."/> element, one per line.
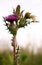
<point x="11" y="18"/>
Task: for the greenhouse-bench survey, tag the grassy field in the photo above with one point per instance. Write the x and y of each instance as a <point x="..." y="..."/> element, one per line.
<point x="25" y="58"/>
<point x="6" y="58"/>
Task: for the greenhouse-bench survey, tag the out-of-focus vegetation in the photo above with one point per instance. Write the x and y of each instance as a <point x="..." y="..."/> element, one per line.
<point x="6" y="58"/>
<point x="25" y="58"/>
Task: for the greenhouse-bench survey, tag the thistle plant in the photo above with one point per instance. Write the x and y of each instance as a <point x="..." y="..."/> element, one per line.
<point x="17" y="20"/>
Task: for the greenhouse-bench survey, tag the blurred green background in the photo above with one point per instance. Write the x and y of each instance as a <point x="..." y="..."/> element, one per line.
<point x="24" y="58"/>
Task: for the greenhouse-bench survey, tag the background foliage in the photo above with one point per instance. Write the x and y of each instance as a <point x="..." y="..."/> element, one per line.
<point x="25" y="58"/>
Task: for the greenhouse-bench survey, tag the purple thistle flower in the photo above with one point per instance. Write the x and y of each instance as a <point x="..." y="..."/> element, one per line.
<point x="10" y="18"/>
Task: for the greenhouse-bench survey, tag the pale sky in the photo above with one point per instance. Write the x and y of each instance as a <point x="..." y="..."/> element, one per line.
<point x="34" y="31"/>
